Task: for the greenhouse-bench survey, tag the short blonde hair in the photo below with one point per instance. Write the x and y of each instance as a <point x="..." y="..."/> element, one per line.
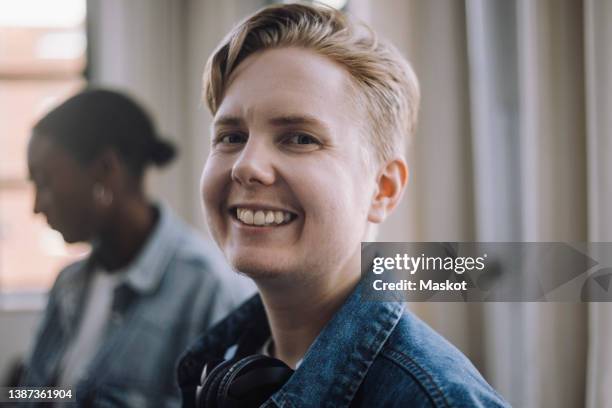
<point x="387" y="87"/>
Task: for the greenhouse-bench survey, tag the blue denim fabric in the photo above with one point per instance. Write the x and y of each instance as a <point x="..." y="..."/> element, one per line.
<point x="176" y="288"/>
<point x="371" y="354"/>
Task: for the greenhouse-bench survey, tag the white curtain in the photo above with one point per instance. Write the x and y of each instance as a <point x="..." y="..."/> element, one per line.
<point x="513" y="143"/>
<point x="598" y="69"/>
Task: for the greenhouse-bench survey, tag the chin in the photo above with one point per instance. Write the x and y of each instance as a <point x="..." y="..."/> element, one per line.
<point x="67" y="237"/>
<point x="72" y="237"/>
<point x="72" y="240"/>
<point x="258" y="267"/>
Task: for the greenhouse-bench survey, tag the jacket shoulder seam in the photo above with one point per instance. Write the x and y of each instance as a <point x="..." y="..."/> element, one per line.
<point x="419" y="373"/>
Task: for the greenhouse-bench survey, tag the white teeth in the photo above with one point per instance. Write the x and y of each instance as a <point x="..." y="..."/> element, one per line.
<point x="269" y="217"/>
<point x="247" y="217"/>
<point x="261" y="217"/>
<point x="278" y="217"/>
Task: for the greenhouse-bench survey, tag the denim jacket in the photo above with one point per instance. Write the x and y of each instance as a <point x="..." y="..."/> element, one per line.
<point x="371" y="354"/>
<point x="172" y="291"/>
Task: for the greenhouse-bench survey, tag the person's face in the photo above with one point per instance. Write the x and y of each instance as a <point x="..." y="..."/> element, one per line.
<point x="285" y="187"/>
<point x="63" y="190"/>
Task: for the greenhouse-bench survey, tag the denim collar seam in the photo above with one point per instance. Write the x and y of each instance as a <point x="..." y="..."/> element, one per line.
<point x="281" y="399"/>
<point x="424" y="378"/>
<point x="343" y="388"/>
<point x="355" y="375"/>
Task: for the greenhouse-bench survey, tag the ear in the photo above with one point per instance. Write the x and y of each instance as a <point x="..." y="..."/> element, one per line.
<point x="106" y="168"/>
<point x="390" y="184"/>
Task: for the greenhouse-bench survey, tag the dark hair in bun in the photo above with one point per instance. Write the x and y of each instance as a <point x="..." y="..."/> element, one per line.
<point x="97" y="119"/>
<point x="162" y="152"/>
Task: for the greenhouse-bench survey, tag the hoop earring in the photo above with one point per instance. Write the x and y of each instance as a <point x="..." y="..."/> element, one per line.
<point x="102" y="195"/>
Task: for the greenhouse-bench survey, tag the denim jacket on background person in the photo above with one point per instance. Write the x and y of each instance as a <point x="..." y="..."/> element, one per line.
<point x="175" y="288"/>
<point x="371" y="354"/>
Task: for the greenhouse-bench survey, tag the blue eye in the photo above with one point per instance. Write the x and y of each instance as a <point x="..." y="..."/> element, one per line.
<point x="232" y="138"/>
<point x="302" y="139"/>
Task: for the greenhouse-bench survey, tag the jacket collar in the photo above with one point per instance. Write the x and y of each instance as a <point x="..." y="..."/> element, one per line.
<point x="249" y="317"/>
<point x="333" y="367"/>
<point x="143" y="275"/>
<point x="343" y="353"/>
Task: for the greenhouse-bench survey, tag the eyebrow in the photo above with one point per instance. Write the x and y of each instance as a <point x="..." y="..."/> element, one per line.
<point x="282" y="120"/>
<point x="228" y="121"/>
<point x="292" y="120"/>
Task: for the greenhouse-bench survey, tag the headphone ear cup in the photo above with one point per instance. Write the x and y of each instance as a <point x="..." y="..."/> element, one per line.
<point x="230" y="375"/>
<point x="207" y="397"/>
<point x="251" y="381"/>
<point x="241" y="383"/>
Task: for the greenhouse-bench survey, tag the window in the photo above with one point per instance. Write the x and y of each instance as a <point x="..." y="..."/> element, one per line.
<point x="42" y="60"/>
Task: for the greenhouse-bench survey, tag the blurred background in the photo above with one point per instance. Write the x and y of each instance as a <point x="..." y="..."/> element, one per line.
<point x="513" y="144"/>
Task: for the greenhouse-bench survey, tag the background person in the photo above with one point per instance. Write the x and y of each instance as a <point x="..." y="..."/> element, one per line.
<point x="116" y="321"/>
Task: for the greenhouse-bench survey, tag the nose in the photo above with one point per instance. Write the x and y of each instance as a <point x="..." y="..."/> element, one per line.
<point x="254" y="165"/>
<point x="39" y="201"/>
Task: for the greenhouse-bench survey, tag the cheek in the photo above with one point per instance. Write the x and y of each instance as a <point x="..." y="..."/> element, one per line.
<point x="335" y="220"/>
<point x="335" y="201"/>
<point x="214" y="178"/>
<point x="214" y="181"/>
<point x="73" y="212"/>
<point x="74" y="198"/>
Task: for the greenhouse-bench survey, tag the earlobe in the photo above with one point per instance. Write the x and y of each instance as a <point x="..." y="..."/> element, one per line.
<point x="105" y="171"/>
<point x="390" y="185"/>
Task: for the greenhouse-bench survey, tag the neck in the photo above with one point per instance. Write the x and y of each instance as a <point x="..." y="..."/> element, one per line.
<point x="299" y="311"/>
<point x="126" y="234"/>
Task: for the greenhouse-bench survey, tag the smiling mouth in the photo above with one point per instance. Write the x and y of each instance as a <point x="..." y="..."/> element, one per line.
<point x="262" y="218"/>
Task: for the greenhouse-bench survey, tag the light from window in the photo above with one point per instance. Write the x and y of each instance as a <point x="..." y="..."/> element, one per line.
<point x="42" y="13"/>
<point x="42" y="59"/>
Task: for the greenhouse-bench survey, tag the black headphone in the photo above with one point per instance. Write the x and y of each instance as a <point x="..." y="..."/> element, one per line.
<point x="241" y="383"/>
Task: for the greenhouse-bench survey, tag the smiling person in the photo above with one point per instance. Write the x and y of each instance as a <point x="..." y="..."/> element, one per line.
<point x="117" y="321"/>
<point x="311" y="117"/>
